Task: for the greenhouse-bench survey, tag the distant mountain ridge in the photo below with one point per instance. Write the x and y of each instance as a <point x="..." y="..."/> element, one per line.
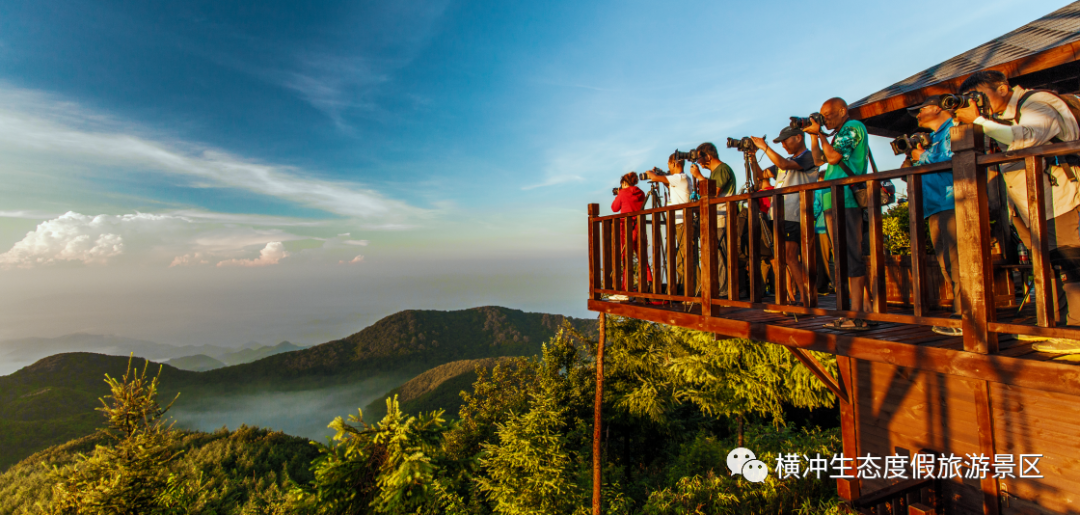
<point x="53" y="400"/>
<point x="203" y="362"/>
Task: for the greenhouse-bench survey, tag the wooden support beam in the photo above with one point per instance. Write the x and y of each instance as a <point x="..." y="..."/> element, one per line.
<point x="985" y="417"/>
<point x="819" y="372"/>
<point x="877" y="249"/>
<point x="848" y="489"/>
<point x="973" y="240"/>
<point x="597" y="419"/>
<point x="1041" y="375"/>
<point x="709" y="243"/>
<point x="918" y="508"/>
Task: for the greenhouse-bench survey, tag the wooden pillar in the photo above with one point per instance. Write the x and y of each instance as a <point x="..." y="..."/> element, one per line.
<point x="976" y="281"/>
<point x="973" y="240"/>
<point x="877" y="250"/>
<point x="808" y="235"/>
<point x="917" y="230"/>
<point x="596" y="478"/>
<point x="1045" y="311"/>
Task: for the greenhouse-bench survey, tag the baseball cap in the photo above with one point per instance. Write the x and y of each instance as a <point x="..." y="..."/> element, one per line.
<point x="934" y="100"/>
<point x="786" y="133"/>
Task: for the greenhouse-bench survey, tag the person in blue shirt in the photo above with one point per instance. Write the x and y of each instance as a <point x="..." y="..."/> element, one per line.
<point x="939" y="209"/>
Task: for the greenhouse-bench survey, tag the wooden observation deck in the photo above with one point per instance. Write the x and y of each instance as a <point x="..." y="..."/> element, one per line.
<point x="902" y="388"/>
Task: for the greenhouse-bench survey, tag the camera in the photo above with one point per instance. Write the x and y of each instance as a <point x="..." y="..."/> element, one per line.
<point x="615" y="191"/>
<point x="656" y="171"/>
<point x="743" y="144"/>
<point x="905" y="144"/>
<point x="954" y="102"/>
<point x="802" y="123"/>
<point x="686" y="156"/>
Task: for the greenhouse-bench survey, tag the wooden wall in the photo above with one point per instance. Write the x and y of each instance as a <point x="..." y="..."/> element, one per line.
<point x="901" y="411"/>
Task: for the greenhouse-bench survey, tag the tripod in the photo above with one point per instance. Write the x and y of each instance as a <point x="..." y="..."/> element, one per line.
<point x="655" y="200"/>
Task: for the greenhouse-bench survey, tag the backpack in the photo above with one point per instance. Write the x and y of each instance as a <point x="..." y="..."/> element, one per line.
<point x="1072" y="101"/>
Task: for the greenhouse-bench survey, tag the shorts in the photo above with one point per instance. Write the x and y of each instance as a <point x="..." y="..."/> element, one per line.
<point x="791" y="231"/>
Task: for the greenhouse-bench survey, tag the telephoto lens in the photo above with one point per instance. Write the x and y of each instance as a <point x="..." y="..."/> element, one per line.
<point x="802" y="123"/>
<point x="742" y="144"/>
<point x="643" y="176"/>
<point x="905" y="144"/>
<point x="685" y="156"/>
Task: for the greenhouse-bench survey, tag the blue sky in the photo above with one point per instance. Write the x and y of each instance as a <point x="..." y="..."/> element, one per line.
<point x="399" y="154"/>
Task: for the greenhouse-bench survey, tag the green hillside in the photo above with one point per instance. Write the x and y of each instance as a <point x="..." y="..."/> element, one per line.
<point x="196" y="363"/>
<point x="53" y="400"/>
<point x="438" y="388"/>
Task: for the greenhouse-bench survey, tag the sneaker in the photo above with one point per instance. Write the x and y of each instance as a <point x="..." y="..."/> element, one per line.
<point x="948" y="331"/>
<point x="1058" y="346"/>
<point x="1031" y="338"/>
<point x="618" y="298"/>
<point x="773" y="311"/>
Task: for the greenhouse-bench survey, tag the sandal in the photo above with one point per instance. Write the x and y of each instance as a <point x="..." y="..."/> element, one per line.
<point x="847" y="324"/>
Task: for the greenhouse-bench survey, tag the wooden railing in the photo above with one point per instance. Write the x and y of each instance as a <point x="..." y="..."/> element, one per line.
<point x="610" y="266"/>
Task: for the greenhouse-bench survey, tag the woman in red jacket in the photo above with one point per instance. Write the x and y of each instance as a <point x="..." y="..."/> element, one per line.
<point x="630" y="199"/>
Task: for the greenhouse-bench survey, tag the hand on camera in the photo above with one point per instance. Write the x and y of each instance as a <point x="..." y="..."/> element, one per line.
<point x="759" y="142"/>
<point x="968" y="113"/>
<point x="813" y="129"/>
<point x="916" y="153"/>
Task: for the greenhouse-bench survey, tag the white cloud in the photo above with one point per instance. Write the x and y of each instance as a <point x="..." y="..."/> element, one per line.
<point x="271" y="254"/>
<point x="36" y="123"/>
<point x="71" y="237"/>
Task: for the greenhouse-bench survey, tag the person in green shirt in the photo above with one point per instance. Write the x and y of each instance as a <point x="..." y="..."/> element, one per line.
<point x="849" y="149"/>
<point x="720" y="172"/>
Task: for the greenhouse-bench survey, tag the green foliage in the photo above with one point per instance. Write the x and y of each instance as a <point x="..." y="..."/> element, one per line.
<point x="130" y="476"/>
<point x="896" y="227"/>
<point x="435" y="389"/>
<point x="388" y="467"/>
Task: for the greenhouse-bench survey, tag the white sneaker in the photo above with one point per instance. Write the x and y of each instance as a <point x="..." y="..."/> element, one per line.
<point x="618" y="298"/>
<point x="1058" y="346"/>
<point x="1031" y="338"/>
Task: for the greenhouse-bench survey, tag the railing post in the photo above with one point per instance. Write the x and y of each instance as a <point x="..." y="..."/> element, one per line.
<point x="839" y="243"/>
<point x="609" y="264"/>
<point x="709" y="281"/>
<point x="808" y="235"/>
<point x="1045" y="311"/>
<point x="877" y="249"/>
<point x="917" y="239"/>
<point x="595" y="272"/>
<point x="732" y="213"/>
<point x="753" y="246"/>
<point x="973" y="240"/>
<point x="779" y="251"/>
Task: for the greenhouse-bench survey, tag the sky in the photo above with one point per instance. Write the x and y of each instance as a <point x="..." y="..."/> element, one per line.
<point x="222" y="172"/>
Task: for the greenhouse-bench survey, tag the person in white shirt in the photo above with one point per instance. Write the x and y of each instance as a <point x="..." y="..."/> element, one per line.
<point x="680" y="187"/>
<point x="1042" y="118"/>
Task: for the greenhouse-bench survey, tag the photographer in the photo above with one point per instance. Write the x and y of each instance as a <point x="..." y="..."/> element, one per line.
<point x="798" y="168"/>
<point x="846" y="156"/>
<point x="1036" y="118"/>
<point x="630" y="199"/>
<point x="720" y="172"/>
<point x="680" y="186"/>
<point x="939" y="209"/>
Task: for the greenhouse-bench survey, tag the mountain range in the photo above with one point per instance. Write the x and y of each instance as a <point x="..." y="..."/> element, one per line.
<point x="53" y="400"/>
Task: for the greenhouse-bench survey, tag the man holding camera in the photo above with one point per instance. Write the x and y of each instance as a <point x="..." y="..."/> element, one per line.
<point x="798" y="168"/>
<point x="1037" y="118"/>
<point x="680" y="187"/>
<point x="720" y="172"/>
<point x="939" y="208"/>
<point x="847" y="155"/>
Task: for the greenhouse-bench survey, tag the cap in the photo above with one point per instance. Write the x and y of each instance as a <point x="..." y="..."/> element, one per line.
<point x="934" y="100"/>
<point x="786" y="133"/>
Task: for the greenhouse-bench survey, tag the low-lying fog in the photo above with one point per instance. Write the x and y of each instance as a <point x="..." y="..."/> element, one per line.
<point x="303" y="413"/>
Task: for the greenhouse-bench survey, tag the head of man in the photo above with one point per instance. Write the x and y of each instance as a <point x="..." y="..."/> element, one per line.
<point x="835" y="113"/>
<point x="708" y="156"/>
<point x="793" y="140"/>
<point x="929" y="113"/>
<point x="993" y="84"/>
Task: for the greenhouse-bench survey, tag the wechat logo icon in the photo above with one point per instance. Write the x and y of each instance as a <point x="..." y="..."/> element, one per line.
<point x="742" y="461"/>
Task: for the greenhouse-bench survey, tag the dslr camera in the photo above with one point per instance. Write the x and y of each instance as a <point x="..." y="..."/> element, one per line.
<point x="656" y="171"/>
<point x="905" y="144"/>
<point x="954" y="102"/>
<point x="744" y="144"/>
<point x="802" y="123"/>
<point x="685" y="156"/>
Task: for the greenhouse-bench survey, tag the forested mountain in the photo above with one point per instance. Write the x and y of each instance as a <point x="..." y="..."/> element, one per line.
<point x="53" y="400"/>
<point x="438" y="388"/>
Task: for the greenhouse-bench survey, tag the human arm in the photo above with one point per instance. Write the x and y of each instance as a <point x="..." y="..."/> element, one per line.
<point x="696" y="172"/>
<point x="781" y="162"/>
<point x="657" y="178"/>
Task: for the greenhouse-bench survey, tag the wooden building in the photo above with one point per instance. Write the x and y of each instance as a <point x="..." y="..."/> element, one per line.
<point x="903" y="389"/>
